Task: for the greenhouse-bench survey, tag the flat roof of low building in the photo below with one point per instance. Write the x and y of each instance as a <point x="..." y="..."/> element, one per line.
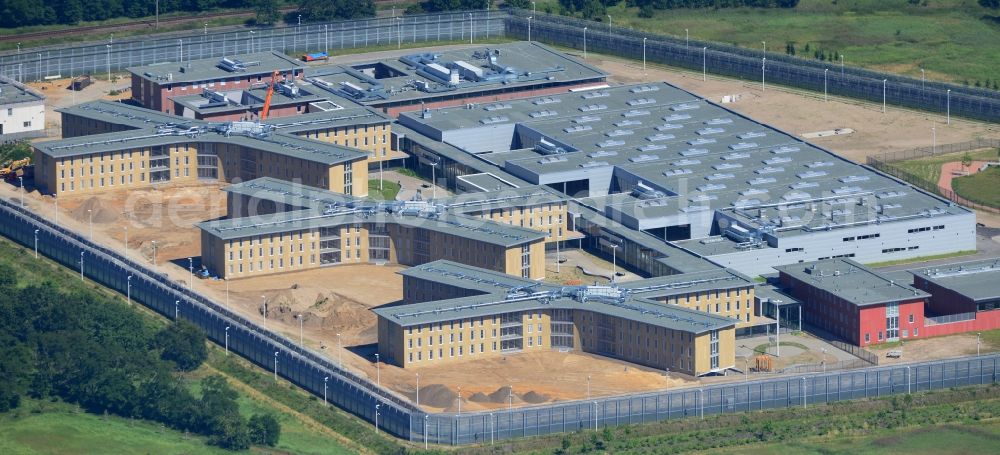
<point x="427" y="75"/>
<point x="468" y="277"/>
<point x="976" y="280"/>
<point x="212" y="69"/>
<point x="770" y="294"/>
<point x="13" y="92"/>
<point x="124" y="114"/>
<point x="701" y="281"/>
<point x="851" y="281"/>
<point x="485" y="181"/>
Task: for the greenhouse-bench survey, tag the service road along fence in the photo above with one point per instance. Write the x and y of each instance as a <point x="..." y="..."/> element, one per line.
<point x="398" y="417"/>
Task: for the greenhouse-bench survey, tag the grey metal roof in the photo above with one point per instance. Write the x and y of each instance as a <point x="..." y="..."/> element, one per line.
<point x="669" y="285"/>
<point x="285" y="144"/>
<point x="629" y="307"/>
<point x="13" y="92"/>
<point x="486" y="181"/>
<point x="123" y="114"/>
<point x="701" y="156"/>
<point x="174" y="72"/>
<point x="469" y="277"/>
<point x="851" y="281"/>
<point x="771" y="294"/>
<point x="529" y="63"/>
<point x="976" y="280"/>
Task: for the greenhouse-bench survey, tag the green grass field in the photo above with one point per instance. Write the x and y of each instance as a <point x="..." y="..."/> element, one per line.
<point x="951" y="439"/>
<point x="981" y="188"/>
<point x="929" y="168"/>
<point x="387" y="193"/>
<point x="951" y="39"/>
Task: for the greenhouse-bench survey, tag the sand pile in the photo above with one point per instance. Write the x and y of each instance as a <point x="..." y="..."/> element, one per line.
<point x="437" y="396"/>
<point x="535" y="397"/>
<point x="479" y="397"/>
<point x="94" y="207"/>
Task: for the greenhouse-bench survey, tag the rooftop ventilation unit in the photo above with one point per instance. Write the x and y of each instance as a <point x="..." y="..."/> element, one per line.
<point x="694" y="152"/>
<point x="592" y="164"/>
<point x="644" y="89"/>
<point x="801" y="185"/>
<point x="746" y="202"/>
<point x="642" y="191"/>
<point x="703" y="198"/>
<point x="547" y="148"/>
<point x="651" y="147"/>
<point x="719" y="121"/>
<point x="811" y="174"/>
<point x="743" y="145"/>
<point x="628" y="123"/>
<point x="724" y="166"/>
<point x="610" y="143"/>
<point x="644" y="158"/>
<point x="669" y="126"/>
<point x="684" y="107"/>
<point x="676" y="172"/>
<point x="890" y="194"/>
<point x="701" y="141"/>
<point x="235" y="65"/>
<point x="497" y="106"/>
<point x="705" y="131"/>
<point x="719" y="176"/>
<point x="676" y="117"/>
<point x="596" y="94"/>
<point x="546" y="100"/>
<point x="761" y="181"/>
<point x="777" y="160"/>
<point x="752" y="134"/>
<point x="785" y="149"/>
<point x="577" y="128"/>
<point x="753" y="191"/>
<point x="712" y="187"/>
<point x="602" y="153"/>
<point x="695" y="208"/>
<point x="635" y="113"/>
<point x="796" y="196"/>
<point x="846" y="190"/>
<point x="593" y="107"/>
<point x="816" y="164"/>
<point x="853" y="178"/>
<point x="769" y="170"/>
<point x="587" y="119"/>
<point x="543" y="113"/>
<point x="617" y="133"/>
<point x="494" y="119"/>
<point x="660" y="137"/>
<point x="735" y="156"/>
<point x="686" y="162"/>
<point x="640" y="101"/>
<point x="552" y="159"/>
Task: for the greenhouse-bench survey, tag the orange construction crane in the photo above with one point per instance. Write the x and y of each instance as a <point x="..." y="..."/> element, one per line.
<point x="270" y="93"/>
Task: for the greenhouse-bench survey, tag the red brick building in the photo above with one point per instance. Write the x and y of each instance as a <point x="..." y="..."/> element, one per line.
<point x="851" y="301"/>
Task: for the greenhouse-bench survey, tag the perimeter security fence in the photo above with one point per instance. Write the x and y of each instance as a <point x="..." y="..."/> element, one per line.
<point x="358" y="395"/>
<point x="114" y="56"/>
<point x="884" y="162"/>
<point x="829" y="78"/>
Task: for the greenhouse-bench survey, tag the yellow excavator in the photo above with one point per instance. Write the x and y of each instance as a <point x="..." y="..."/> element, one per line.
<point x="15" y="169"/>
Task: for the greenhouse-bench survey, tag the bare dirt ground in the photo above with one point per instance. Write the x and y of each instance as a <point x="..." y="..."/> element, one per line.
<point x="930" y="349"/>
<point x="58" y="95"/>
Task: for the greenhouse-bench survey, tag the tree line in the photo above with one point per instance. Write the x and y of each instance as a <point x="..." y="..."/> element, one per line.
<point x="97" y="352"/>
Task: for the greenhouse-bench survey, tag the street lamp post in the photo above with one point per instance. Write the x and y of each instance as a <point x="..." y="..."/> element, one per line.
<point x="109" y="62"/>
<point x="923" y="78"/>
<point x="227" y="340"/>
<point x="21" y="184"/>
<point x="177" y="309"/>
<point x="763" y="66"/>
<point x="459" y="401"/>
<point x="595" y="416"/>
<point x="884" y="82"/>
<point x="644" y="55"/>
<point x="491" y="429"/>
<point x="191" y="272"/>
<point x="325" y="379"/>
<point x="36" y="244"/>
<point x="81" y="266"/>
<point x="378" y="371"/>
<point x="275" y="365"/>
<point x="825" y="70"/>
<point x="585" y="43"/>
<point x="376" y="417"/>
<point x="128" y="292"/>
<point x="614" y="263"/>
<point x="157" y="26"/>
<point x="610" y="35"/>
<point x="701" y="403"/>
<point x="529" y="28"/>
<point x="949" y="106"/>
<point x="687" y="38"/>
<point x="425" y="431"/>
<point x="472" y="28"/>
